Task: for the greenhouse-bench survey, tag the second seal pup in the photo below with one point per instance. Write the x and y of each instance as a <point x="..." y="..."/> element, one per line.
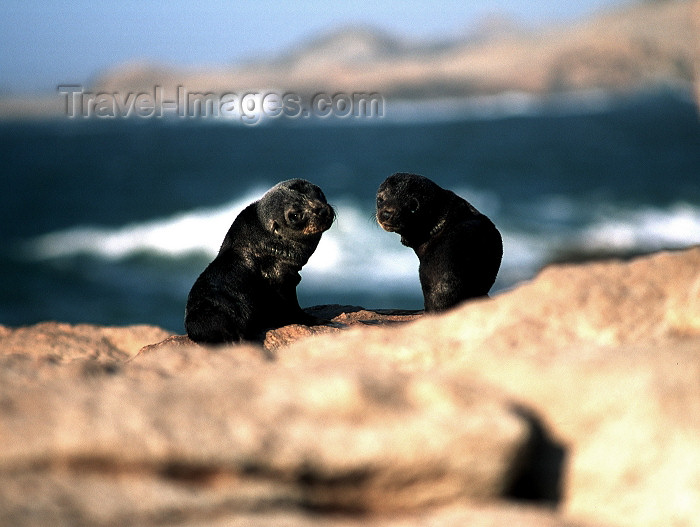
<point x="251" y="284"/>
<point x="459" y="249"/>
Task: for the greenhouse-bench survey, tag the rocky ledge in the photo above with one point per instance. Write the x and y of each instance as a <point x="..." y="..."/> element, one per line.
<point x="573" y="400"/>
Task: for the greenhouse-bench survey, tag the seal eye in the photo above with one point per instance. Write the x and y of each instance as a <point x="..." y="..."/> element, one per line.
<point x="294" y="217"/>
<point x="380" y="202"/>
<point x="413" y="205"/>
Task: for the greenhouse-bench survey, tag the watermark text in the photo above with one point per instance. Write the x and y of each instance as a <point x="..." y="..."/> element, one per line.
<point x="249" y="108"/>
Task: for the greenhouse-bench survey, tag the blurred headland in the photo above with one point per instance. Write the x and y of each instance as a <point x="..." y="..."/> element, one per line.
<point x="641" y="46"/>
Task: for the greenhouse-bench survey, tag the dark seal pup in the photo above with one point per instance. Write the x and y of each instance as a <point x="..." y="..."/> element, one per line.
<point x="251" y="284"/>
<point x="459" y="249"/>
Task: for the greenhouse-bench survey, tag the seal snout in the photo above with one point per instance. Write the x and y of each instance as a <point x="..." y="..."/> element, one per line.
<point x="323" y="211"/>
<point x="386" y="217"/>
<point x="387" y="211"/>
<point x="321" y="217"/>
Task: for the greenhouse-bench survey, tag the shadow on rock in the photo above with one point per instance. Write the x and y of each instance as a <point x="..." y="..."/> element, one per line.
<point x="541" y="478"/>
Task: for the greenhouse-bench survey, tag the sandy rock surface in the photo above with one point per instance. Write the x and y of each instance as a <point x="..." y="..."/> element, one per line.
<point x="573" y="400"/>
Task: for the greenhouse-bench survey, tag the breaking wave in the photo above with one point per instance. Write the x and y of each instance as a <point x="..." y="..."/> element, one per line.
<point x="355" y="254"/>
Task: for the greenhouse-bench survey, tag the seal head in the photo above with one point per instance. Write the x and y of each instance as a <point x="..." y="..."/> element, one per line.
<point x="295" y="209"/>
<point x="412" y="206"/>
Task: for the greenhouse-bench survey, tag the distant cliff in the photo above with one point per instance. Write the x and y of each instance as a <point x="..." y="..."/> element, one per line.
<point x="641" y="46"/>
<point x="626" y="49"/>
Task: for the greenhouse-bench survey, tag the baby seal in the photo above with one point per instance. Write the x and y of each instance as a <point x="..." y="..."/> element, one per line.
<point x="459" y="249"/>
<point x="251" y="284"/>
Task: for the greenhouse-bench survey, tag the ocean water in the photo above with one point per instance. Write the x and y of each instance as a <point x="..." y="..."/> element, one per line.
<point x="111" y="221"/>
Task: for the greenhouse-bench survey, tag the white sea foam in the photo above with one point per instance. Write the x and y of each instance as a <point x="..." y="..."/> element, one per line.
<point x="181" y="234"/>
<point x="355" y="254"/>
<point x="647" y="229"/>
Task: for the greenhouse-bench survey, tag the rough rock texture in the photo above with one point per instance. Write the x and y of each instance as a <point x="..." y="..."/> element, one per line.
<point x="338" y="317"/>
<point x="234" y="437"/>
<point x="61" y="342"/>
<point x="607" y="354"/>
<point x="572" y="400"/>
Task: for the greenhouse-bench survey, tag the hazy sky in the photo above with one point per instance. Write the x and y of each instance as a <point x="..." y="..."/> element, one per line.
<point x="46" y="43"/>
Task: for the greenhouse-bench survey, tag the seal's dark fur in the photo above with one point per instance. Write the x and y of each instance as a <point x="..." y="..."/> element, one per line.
<point x="459" y="248"/>
<point x="251" y="284"/>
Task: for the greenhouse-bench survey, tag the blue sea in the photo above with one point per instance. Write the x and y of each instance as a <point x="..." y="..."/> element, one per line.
<point x="111" y="221"/>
